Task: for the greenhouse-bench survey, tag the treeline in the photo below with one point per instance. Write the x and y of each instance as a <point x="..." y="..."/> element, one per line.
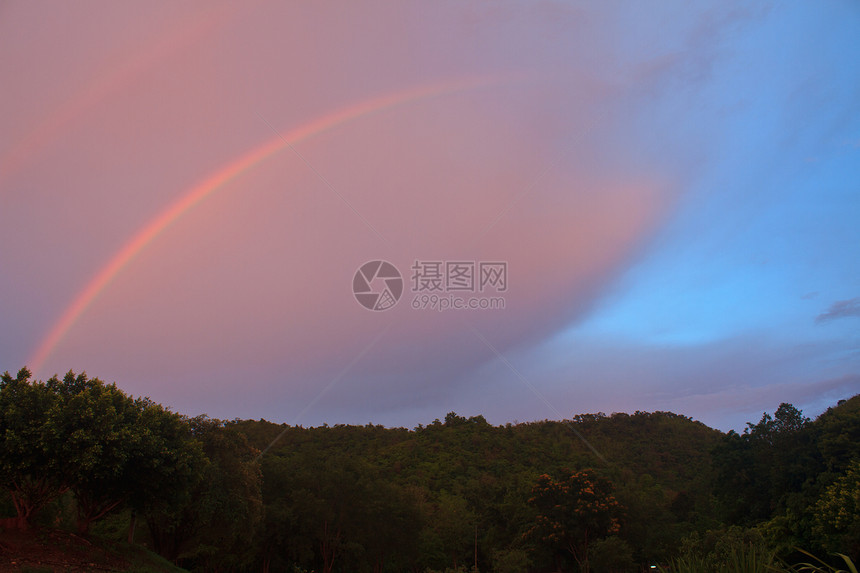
<point x="77" y="450"/>
<point x="594" y="493"/>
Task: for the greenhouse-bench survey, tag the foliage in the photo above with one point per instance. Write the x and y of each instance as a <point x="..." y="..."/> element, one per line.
<point x="611" y="555"/>
<point x="837" y="512"/>
<point x="104" y="444"/>
<point x="456" y="494"/>
<point x="31" y="454"/>
<point x="732" y="550"/>
<point x="83" y="435"/>
<point x="837" y="435"/>
<point x="822" y="567"/>
<point x="510" y="561"/>
<point x="219" y="518"/>
<point x="573" y="511"/>
<point x="759" y="470"/>
<point x="324" y="511"/>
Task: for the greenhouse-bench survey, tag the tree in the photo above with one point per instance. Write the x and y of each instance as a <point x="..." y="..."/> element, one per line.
<point x="838" y="435"/>
<point x="286" y="537"/>
<point x="99" y="427"/>
<point x="611" y="555"/>
<point x="30" y="462"/>
<point x="318" y="508"/>
<point x="837" y="513"/>
<point x="168" y="463"/>
<point x="452" y="526"/>
<point x="573" y="512"/>
<point x="649" y="524"/>
<point x="212" y="526"/>
<point x="82" y="434"/>
<point x="760" y="470"/>
<point x="117" y="450"/>
<point x="390" y="527"/>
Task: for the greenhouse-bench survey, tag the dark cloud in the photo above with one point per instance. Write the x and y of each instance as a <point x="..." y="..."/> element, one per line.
<point x="841" y="309"/>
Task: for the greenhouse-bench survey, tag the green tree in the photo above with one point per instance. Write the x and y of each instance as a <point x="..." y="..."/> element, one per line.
<point x="319" y="506"/>
<point x="452" y="528"/>
<point x="82" y="434"/>
<point x="390" y="529"/>
<point x="650" y="527"/>
<point x="99" y="428"/>
<point x="838" y="435"/>
<point x="573" y="512"/>
<point x="760" y="470"/>
<point x="169" y="463"/>
<point x="510" y="561"/>
<point x="213" y="526"/>
<point x="31" y="467"/>
<point x="286" y="538"/>
<point x="611" y="555"/>
<point x="837" y="513"/>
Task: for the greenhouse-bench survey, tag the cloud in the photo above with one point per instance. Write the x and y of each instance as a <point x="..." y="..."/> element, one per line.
<point x="242" y="307"/>
<point x="259" y="273"/>
<point x="841" y="309"/>
<point x="751" y="398"/>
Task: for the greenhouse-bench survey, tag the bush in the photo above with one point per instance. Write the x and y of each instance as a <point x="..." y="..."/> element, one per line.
<point x="611" y="555"/>
<point x="510" y="561"/>
<point x="733" y="550"/>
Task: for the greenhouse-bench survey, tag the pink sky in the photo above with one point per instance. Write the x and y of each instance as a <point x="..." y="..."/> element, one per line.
<point x="570" y="143"/>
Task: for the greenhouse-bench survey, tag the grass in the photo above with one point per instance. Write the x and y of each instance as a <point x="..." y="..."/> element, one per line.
<point x="748" y="559"/>
<point x="822" y="567"/>
<point x="742" y="558"/>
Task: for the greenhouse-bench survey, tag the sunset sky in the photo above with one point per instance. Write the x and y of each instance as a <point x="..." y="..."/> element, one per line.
<point x="187" y="191"/>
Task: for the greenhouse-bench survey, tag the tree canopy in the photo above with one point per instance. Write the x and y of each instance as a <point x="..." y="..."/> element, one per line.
<point x="453" y="495"/>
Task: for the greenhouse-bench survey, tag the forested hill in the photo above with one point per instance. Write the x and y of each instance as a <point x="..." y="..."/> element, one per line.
<point x="673" y="486"/>
<point x="593" y="493"/>
<point x="463" y="473"/>
<point x="673" y="451"/>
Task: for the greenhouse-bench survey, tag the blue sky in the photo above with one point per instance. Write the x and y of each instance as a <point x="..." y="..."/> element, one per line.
<point x="767" y="238"/>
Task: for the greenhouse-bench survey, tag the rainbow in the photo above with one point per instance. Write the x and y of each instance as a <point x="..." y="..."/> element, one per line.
<point x="215" y="181"/>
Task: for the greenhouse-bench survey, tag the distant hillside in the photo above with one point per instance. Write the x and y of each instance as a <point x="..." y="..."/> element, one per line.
<point x="673" y="449"/>
<point x="465" y="469"/>
<point x="605" y="493"/>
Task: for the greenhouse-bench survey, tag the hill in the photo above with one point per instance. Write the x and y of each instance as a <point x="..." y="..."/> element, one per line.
<point x="619" y="492"/>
